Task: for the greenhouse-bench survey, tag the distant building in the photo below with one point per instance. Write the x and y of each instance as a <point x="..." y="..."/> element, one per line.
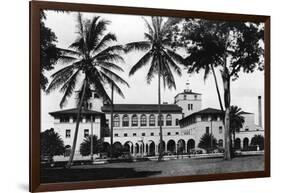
<point x="136" y="126"/>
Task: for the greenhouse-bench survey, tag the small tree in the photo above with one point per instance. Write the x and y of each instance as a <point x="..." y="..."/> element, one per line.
<point x="118" y="150"/>
<point x="258" y="140"/>
<point x="207" y="142"/>
<point x="85" y="146"/>
<point x="51" y="144"/>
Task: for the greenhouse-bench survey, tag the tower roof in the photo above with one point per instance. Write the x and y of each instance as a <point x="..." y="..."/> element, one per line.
<point x="74" y="111"/>
<point x="207" y="111"/>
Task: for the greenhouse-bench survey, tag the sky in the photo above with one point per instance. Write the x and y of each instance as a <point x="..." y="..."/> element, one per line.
<point x="130" y="28"/>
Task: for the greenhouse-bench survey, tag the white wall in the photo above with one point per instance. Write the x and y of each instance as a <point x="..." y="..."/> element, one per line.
<point x="14" y="95"/>
<point x="190" y="99"/>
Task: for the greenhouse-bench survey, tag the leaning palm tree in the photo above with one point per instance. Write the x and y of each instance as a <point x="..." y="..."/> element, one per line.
<point x="91" y="62"/>
<point x="236" y="121"/>
<point x="202" y="59"/>
<point x="160" y="57"/>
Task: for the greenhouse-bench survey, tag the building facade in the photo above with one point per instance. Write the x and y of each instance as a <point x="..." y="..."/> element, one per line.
<point x="136" y="126"/>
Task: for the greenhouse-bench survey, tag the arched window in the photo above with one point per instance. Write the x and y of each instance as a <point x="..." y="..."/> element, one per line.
<point x="220" y="129"/>
<point x="67" y="150"/>
<point x="168" y="120"/>
<point x="220" y="143"/>
<point x="162" y="120"/>
<point x="134" y="120"/>
<point x="143" y="120"/>
<point x="116" y="121"/>
<point x="151" y="120"/>
<point x="125" y="121"/>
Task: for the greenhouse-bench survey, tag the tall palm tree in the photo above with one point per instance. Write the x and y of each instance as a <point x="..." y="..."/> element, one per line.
<point x="160" y="57"/>
<point x="91" y="60"/>
<point x="236" y="121"/>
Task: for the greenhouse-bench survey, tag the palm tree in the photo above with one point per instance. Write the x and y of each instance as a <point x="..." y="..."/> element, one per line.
<point x="51" y="144"/>
<point x="236" y="121"/>
<point x="160" y="57"/>
<point x="92" y="61"/>
<point x="202" y="59"/>
<point x="206" y="140"/>
<point x="85" y="146"/>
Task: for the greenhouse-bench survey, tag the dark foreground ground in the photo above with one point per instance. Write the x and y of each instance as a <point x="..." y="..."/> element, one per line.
<point x="181" y="167"/>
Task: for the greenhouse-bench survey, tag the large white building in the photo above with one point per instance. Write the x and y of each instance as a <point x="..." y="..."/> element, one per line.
<point x="136" y="126"/>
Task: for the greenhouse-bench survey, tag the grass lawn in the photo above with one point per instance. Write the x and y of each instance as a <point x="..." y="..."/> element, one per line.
<point x="180" y="167"/>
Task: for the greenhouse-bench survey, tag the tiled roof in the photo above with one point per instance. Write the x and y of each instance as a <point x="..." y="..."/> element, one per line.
<point x="74" y="112"/>
<point x="209" y="111"/>
<point x="206" y="111"/>
<point x="142" y="108"/>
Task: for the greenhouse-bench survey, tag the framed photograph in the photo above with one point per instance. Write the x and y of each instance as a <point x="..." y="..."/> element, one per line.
<point x="123" y="96"/>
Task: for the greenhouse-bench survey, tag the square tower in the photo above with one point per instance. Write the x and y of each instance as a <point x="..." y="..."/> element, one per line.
<point x="189" y="101"/>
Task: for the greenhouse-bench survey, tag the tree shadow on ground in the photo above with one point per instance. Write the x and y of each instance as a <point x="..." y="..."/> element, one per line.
<point x="53" y="175"/>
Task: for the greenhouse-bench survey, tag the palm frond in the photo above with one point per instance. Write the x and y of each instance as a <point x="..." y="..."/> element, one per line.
<point x="68" y="52"/>
<point x="66" y="69"/>
<point x="175" y="56"/>
<point x="150" y="29"/>
<point x="142" y="62"/>
<point x="206" y="72"/>
<point x="110" y="81"/>
<point x="148" y="36"/>
<point x="110" y="65"/>
<point x="167" y="75"/>
<point x="60" y="77"/>
<point x="66" y="59"/>
<point x="109" y="57"/>
<point x="95" y="31"/>
<point x="117" y="49"/>
<point x="138" y="46"/>
<point x="96" y="81"/>
<point x="108" y="38"/>
<point x="114" y="76"/>
<point x="78" y="45"/>
<point x="68" y="88"/>
<point x="80" y="24"/>
<point x="152" y="70"/>
<point x="171" y="62"/>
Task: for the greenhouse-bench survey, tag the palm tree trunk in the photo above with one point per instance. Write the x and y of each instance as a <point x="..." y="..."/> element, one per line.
<point x="111" y="124"/>
<point x="233" y="144"/>
<point x="159" y="116"/>
<point x="217" y="87"/>
<point x="77" y="126"/>
<point x="226" y="86"/>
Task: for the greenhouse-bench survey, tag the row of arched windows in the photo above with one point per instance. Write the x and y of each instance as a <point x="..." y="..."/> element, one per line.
<point x="143" y="120"/>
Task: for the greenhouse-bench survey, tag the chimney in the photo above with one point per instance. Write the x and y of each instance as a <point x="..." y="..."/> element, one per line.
<point x="259" y="109"/>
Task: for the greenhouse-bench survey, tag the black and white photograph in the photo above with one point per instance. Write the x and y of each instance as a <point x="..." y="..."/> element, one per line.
<point x="137" y="96"/>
